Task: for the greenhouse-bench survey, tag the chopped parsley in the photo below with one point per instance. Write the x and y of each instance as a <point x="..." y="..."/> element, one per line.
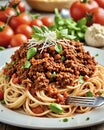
<point x="53" y="75"/>
<point x="97" y="55"/>
<point x="5" y="76"/>
<point x="100" y="93"/>
<point x="81" y="79"/>
<point x="65" y="120"/>
<point x="89" y="94"/>
<point x="88" y="118"/>
<point x="58" y="48"/>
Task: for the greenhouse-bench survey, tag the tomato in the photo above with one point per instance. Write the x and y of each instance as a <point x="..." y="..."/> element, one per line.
<point x="24" y="29"/>
<point x="6" y="34"/>
<point x="4" y="13"/>
<point x="36" y="22"/>
<point x="97" y="15"/>
<point x="18" y="3"/>
<point x="79" y="9"/>
<point x="23" y="18"/>
<point x="100" y="3"/>
<point x="1" y="94"/>
<point x="47" y="21"/>
<point x="18" y="39"/>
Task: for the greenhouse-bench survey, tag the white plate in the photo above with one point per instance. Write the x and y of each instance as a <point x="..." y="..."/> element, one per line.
<point x="16" y="118"/>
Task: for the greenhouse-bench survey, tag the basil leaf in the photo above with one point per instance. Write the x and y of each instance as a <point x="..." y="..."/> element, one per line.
<point x="58" y="48"/>
<point x="81" y="80"/>
<point x="26" y="65"/>
<point x="89" y="94"/>
<point x="44" y="28"/>
<point x="62" y="58"/>
<point x="53" y="75"/>
<point x="56" y="108"/>
<point x="37" y="29"/>
<point x="31" y="52"/>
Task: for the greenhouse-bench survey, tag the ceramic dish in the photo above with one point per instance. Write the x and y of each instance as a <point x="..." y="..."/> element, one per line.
<point x="18" y="118"/>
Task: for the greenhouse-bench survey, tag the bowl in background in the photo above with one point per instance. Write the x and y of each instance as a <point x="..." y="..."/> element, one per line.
<point x="49" y="5"/>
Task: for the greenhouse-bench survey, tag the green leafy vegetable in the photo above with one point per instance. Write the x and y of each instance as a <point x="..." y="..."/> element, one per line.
<point x="68" y="28"/>
<point x="65" y="120"/>
<point x="89" y="94"/>
<point x="56" y="108"/>
<point x="81" y="80"/>
<point x="26" y="65"/>
<point x="53" y="75"/>
<point x="3" y="101"/>
<point x="58" y="48"/>
<point x="62" y="58"/>
<point x="5" y="76"/>
<point x="31" y="52"/>
<point x="100" y="93"/>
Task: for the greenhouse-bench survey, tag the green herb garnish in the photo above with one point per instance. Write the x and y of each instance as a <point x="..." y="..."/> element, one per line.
<point x="100" y="93"/>
<point x="62" y="58"/>
<point x="31" y="52"/>
<point x="26" y="65"/>
<point x="2" y="101"/>
<point x="88" y="118"/>
<point x="56" y="108"/>
<point x="53" y="75"/>
<point x="97" y="55"/>
<point x="89" y="94"/>
<point x="81" y="79"/>
<point x="65" y="120"/>
<point x="58" y="48"/>
<point x="5" y="76"/>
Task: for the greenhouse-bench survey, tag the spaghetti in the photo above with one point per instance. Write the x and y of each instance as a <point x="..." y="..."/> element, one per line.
<point x="39" y="83"/>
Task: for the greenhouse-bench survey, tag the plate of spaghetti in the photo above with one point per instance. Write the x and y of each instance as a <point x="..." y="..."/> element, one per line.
<point x="37" y="78"/>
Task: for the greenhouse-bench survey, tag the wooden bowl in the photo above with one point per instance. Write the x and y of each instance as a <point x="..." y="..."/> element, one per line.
<point x="49" y="5"/>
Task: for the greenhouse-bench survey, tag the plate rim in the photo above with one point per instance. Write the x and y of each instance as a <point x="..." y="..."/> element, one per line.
<point x="57" y="121"/>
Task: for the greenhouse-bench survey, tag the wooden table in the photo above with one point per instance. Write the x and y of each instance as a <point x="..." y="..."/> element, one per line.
<point x="10" y="127"/>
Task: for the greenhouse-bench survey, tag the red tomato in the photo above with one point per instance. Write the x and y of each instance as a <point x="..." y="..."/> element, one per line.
<point x="18" y="3"/>
<point x="23" y="18"/>
<point x="24" y="29"/>
<point x="79" y="9"/>
<point x="1" y="94"/>
<point x="6" y="34"/>
<point x="36" y="22"/>
<point x="100" y="3"/>
<point x="4" y="13"/>
<point x="97" y="15"/>
<point x="18" y="40"/>
<point x="47" y="21"/>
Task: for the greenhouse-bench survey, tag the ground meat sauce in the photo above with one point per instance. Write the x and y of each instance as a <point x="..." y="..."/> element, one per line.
<point x="50" y="70"/>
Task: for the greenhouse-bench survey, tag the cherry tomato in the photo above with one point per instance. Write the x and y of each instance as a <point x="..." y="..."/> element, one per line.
<point x="36" y="22"/>
<point x="23" y="18"/>
<point x="18" y="39"/>
<point x="100" y="3"/>
<point x="47" y="21"/>
<point x="1" y="94"/>
<point x="6" y="34"/>
<point x="24" y="29"/>
<point x="79" y="8"/>
<point x="97" y="15"/>
<point x="18" y="3"/>
<point x="5" y="13"/>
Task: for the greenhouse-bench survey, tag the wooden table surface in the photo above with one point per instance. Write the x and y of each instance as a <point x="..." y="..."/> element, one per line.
<point x="10" y="127"/>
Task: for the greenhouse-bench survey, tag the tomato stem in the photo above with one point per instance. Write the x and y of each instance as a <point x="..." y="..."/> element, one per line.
<point x="84" y="1"/>
<point x="2" y="28"/>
